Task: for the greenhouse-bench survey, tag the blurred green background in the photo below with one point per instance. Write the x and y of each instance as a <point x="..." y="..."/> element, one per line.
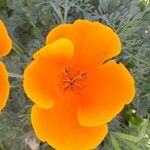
<point x="29" y="21"/>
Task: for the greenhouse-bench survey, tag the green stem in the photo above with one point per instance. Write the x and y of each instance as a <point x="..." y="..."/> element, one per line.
<point x="67" y="7"/>
<point x="58" y="12"/>
<point x="14" y="75"/>
<point x="15" y="86"/>
<point x="16" y="50"/>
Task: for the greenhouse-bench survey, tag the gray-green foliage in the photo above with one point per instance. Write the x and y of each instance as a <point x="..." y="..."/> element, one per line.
<point x="29" y="21"/>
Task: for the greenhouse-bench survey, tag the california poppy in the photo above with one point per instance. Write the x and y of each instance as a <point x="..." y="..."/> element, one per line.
<point x="5" y="47"/>
<point x="75" y="85"/>
<point x="5" y="40"/>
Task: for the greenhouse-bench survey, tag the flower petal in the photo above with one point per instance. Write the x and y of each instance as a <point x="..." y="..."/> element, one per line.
<point x="108" y="89"/>
<point x="4" y="88"/>
<point x="94" y="42"/>
<point x="39" y="84"/>
<point x="5" y="41"/>
<point x="75" y="32"/>
<point x="42" y="75"/>
<point x="60" y="51"/>
<point x="60" y="128"/>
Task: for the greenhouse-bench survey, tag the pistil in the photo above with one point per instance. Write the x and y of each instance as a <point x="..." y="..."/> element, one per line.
<point x="72" y="80"/>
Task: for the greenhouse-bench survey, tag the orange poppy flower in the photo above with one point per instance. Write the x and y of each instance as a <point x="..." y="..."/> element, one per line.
<point x="5" y="46"/>
<point x="5" y="41"/>
<point x="75" y="87"/>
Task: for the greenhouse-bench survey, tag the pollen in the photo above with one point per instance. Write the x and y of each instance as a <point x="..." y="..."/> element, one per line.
<point x="72" y="80"/>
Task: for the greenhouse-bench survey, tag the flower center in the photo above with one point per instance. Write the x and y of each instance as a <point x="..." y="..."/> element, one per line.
<point x="72" y="79"/>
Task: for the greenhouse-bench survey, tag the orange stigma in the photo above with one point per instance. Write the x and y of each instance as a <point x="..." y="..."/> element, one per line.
<point x="72" y="79"/>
